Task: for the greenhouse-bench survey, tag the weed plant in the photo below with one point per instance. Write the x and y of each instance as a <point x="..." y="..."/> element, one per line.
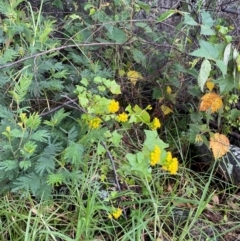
<point x="95" y="139"/>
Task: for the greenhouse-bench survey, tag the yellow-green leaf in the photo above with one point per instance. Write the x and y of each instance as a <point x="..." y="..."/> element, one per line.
<point x="134" y="76"/>
<point x="166" y="110"/>
<point x="210" y="85"/>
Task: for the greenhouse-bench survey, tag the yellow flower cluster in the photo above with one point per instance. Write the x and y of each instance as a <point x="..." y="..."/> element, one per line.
<point x="155" y="156"/>
<point x="155" y="124"/>
<point x="94" y="123"/>
<point x="113" y="106"/>
<point x="171" y="164"/>
<point x="122" y="117"/>
<point x="116" y="213"/>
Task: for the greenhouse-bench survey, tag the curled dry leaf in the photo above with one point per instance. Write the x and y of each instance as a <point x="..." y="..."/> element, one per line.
<point x="219" y="144"/>
<point x="211" y="101"/>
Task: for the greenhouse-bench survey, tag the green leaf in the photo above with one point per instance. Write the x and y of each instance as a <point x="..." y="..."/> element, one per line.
<point x="9" y="165"/>
<point x="57" y="118"/>
<point x="30" y="182"/>
<point x="33" y="121"/>
<point x="74" y="153"/>
<point x="226" y="84"/>
<point x="166" y="15"/>
<point x="117" y="35"/>
<point x="139" y="165"/>
<point x="8" y="56"/>
<point x="204" y="73"/>
<point x="55" y="179"/>
<point x="138" y="115"/>
<point x="152" y="139"/>
<point x="206" y="30"/>
<point x="146" y="7"/>
<point x="40" y="135"/>
<point x="221" y="65"/>
<point x="189" y="20"/>
<point x="208" y="50"/>
<point x="25" y="164"/>
<point x="139" y="57"/>
<point x="112" y="86"/>
<point x="116" y="138"/>
<point x="21" y="88"/>
<point x="144" y="26"/>
<point x="45" y="164"/>
<point x="234" y="113"/>
<point x="207" y="19"/>
<point x="227" y="53"/>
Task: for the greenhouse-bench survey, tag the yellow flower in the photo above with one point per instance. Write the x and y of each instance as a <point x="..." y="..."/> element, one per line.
<point x="95" y="123"/>
<point x="116" y="213"/>
<point x="155" y="156"/>
<point x="171" y="164"/>
<point x="122" y="117"/>
<point x="113" y="106"/>
<point x="155" y="124"/>
<point x="169" y="156"/>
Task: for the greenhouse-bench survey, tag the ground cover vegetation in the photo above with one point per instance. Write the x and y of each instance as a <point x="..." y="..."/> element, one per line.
<point x="101" y="112"/>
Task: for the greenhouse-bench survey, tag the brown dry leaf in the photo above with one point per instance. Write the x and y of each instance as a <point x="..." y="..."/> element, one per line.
<point x="134" y="76"/>
<point x="215" y="199"/>
<point x="209" y="206"/>
<point x="219" y="144"/>
<point x="211" y="101"/>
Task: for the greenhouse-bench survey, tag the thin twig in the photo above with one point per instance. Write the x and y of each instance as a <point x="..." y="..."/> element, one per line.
<point x="57" y="108"/>
<point x="114" y="170"/>
<point x="60" y="48"/>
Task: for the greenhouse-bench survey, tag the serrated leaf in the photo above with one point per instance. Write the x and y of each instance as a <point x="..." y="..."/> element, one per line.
<point x="189" y="20"/>
<point x="9" y="165"/>
<point x="28" y="182"/>
<point x="25" y="164"/>
<point x="204" y="73"/>
<point x="57" y="118"/>
<point x="207" y="19"/>
<point x="55" y="179"/>
<point x="74" y="153"/>
<point x="166" y="15"/>
<point x="40" y="135"/>
<point x="45" y="165"/>
<point x="117" y="35"/>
